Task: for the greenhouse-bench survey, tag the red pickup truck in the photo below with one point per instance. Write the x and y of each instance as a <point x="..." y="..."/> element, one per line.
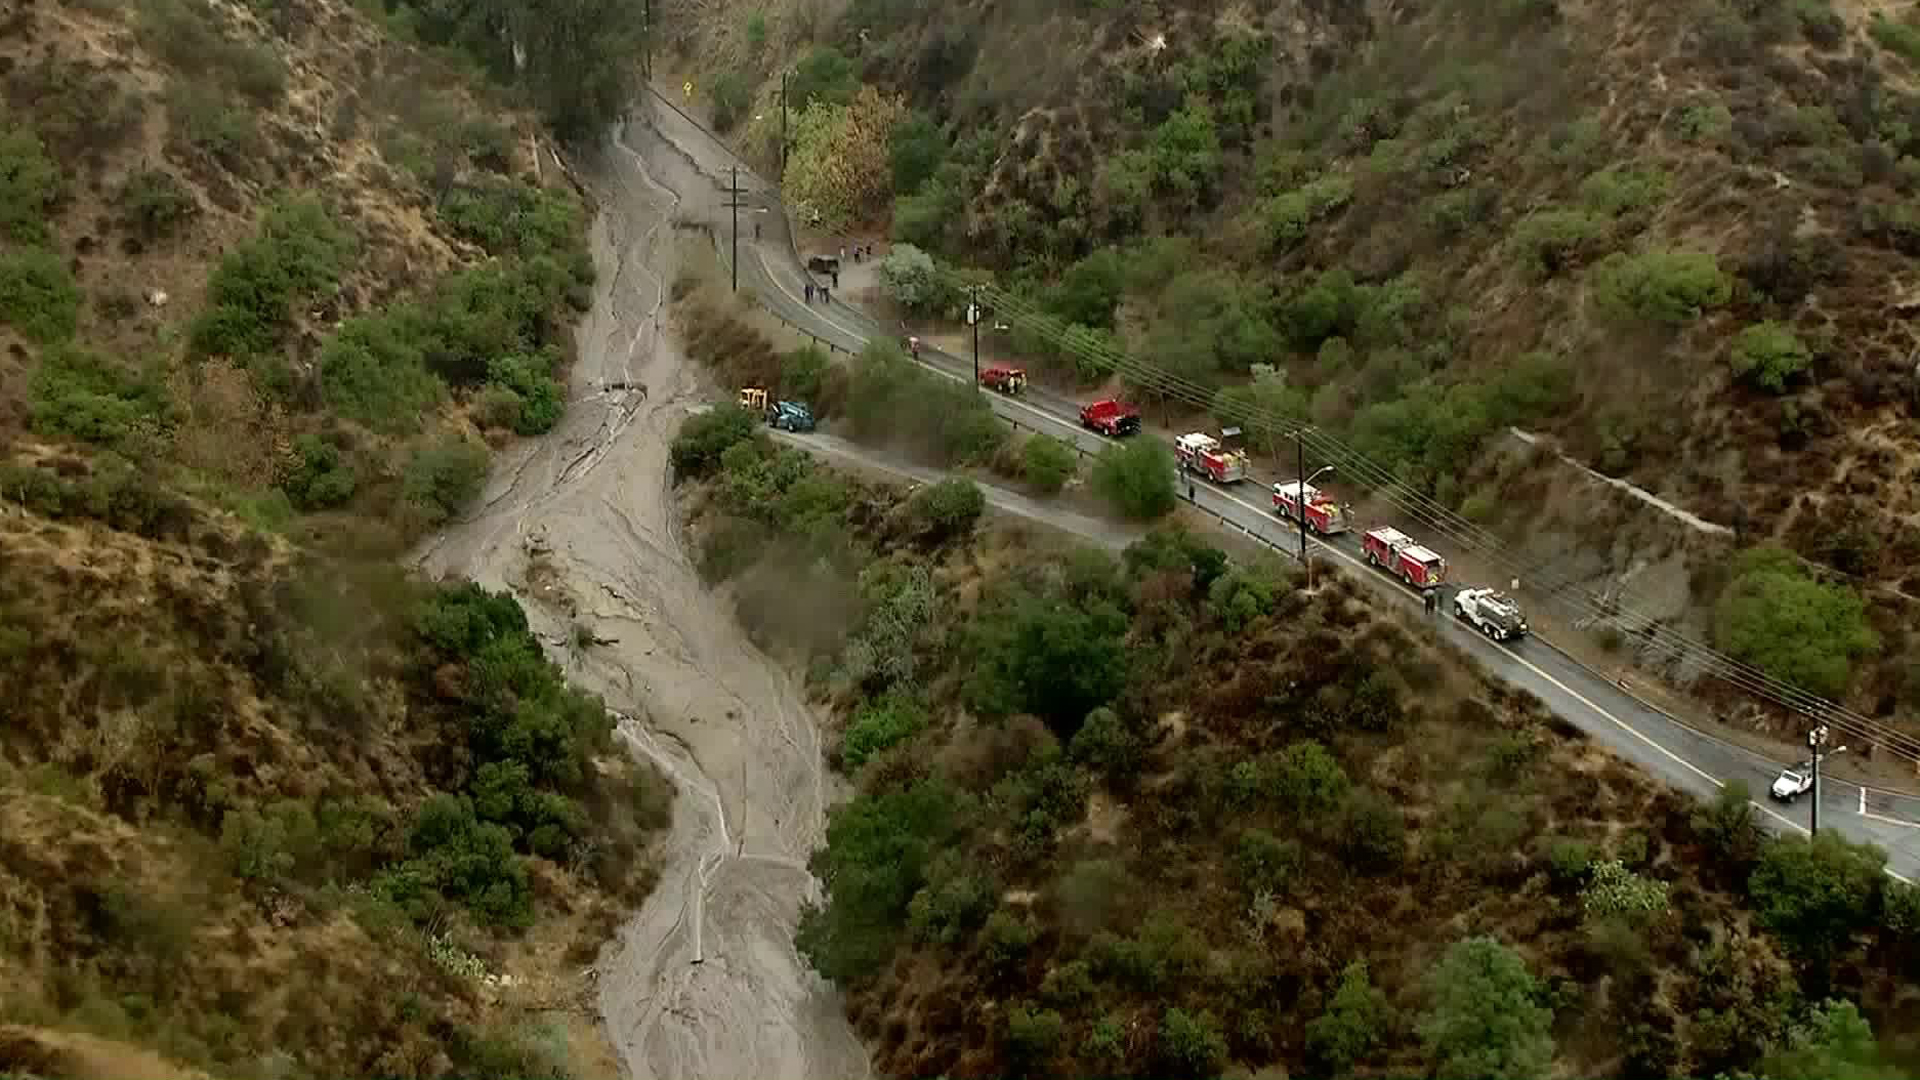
<point x="1111" y="418"/>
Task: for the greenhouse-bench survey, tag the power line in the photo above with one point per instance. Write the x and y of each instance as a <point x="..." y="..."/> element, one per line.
<point x="1657" y="635"/>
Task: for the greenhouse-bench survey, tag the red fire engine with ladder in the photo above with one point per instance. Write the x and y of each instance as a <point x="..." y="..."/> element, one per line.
<point x="1395" y="552"/>
<point x="1221" y="460"/>
<point x="1324" y="516"/>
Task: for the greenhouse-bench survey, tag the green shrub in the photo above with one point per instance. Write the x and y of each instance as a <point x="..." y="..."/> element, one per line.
<point x="1353" y="1024"/>
<point x="879" y="725"/>
<point x="948" y="913"/>
<point x="1704" y="123"/>
<point x="890" y="399"/>
<point x="1554" y="240"/>
<point x="507" y="216"/>
<point x="1137" y="478"/>
<point x="38" y="296"/>
<point x="1568" y="860"/>
<point x="1033" y="1037"/>
<point x="1776" y="617"/>
<point x="1613" y="890"/>
<point x="155" y="203"/>
<point x="458" y="856"/>
<point x="1901" y="39"/>
<point x="1058" y="661"/>
<point x="1730" y="825"/>
<point x="802" y="374"/>
<point x="1816" y="894"/>
<point x="1900" y="910"/>
<point x="29" y="186"/>
<point x="1372" y="832"/>
<point x="1286" y="217"/>
<point x="1622" y="189"/>
<point x="948" y="509"/>
<point x="824" y="75"/>
<point x="443" y="478"/>
<point x="1769" y="356"/>
<point x="1669" y="287"/>
<point x="374" y="371"/>
<point x="704" y="438"/>
<point x="915" y="152"/>
<point x="1189" y="1046"/>
<point x="540" y="396"/>
<point x="79" y="395"/>
<point x="1047" y="462"/>
<point x="1105" y="742"/>
<point x="1266" y="864"/>
<point x="1486" y="1019"/>
<point x="1307" y="781"/>
<point x="299" y="253"/>
<point x="320" y="478"/>
<point x="732" y="96"/>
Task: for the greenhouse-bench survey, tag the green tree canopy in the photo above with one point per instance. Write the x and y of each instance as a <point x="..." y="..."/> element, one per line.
<point x="1776" y="617"/>
<point x="1486" y="1021"/>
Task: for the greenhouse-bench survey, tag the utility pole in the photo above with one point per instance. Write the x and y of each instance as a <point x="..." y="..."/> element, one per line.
<point x="646" y="22"/>
<point x="734" y="192"/>
<point x="1816" y="739"/>
<point x="973" y="316"/>
<point x="1300" y="498"/>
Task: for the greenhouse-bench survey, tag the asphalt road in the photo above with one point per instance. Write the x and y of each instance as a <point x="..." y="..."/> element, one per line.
<point x="1681" y="755"/>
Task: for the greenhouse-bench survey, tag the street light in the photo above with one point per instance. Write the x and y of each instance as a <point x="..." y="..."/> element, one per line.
<point x="1816" y="739"/>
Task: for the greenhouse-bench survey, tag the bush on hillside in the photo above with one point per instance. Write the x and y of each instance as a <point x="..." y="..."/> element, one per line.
<point x="155" y="203"/>
<point x="915" y="152"/>
<point x="298" y="253"/>
<point x="38" y="296"/>
<point x="80" y="395"/>
<point x="320" y="477"/>
<point x="1054" y="660"/>
<point x="1669" y="287"/>
<point x="947" y="510"/>
<point x="1352" y="1025"/>
<point x="1816" y="894"/>
<point x="704" y="438"/>
<point x="915" y="283"/>
<point x="29" y="186"/>
<point x="1485" y="1018"/>
<point x="1770" y="356"/>
<point x="443" y="478"/>
<point x="732" y="96"/>
<point x="890" y="399"/>
<point x="1554" y="240"/>
<point x="1137" y="478"/>
<point x="1775" y="616"/>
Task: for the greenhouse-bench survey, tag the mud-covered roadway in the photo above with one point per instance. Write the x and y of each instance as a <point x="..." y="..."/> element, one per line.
<point x="703" y="981"/>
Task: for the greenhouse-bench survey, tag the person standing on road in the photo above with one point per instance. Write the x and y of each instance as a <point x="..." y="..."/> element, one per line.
<point x="836" y="279"/>
<point x="843" y="253"/>
<point x="809" y="292"/>
<point x="1432" y="600"/>
<point x="756" y="230"/>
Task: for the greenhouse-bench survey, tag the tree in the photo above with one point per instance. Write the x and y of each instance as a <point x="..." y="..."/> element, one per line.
<point x="910" y="275"/>
<point x="1486" y="1021"/>
<point x="1047" y="462"/>
<point x="1777" y="618"/>
<point x="1090" y="290"/>
<point x="1815" y="894"/>
<point x="1186" y="155"/>
<point x="1834" y="1041"/>
<point x="1262" y="407"/>
<point x="1308" y="781"/>
<point x="1189" y="1045"/>
<point x="1729" y="824"/>
<point x="839" y="164"/>
<point x="29" y="186"/>
<point x="915" y="151"/>
<point x="1137" y="478"/>
<point x="732" y="96"/>
<point x="1352" y="1024"/>
<point x="824" y="75"/>
<point x="1671" y="287"/>
<point x="1058" y="661"/>
<point x="1769" y="356"/>
<point x="948" y="508"/>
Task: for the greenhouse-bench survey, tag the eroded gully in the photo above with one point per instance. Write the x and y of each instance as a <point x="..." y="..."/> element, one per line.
<point x="703" y="981"/>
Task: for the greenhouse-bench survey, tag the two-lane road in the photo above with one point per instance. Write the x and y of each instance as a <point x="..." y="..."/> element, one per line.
<point x="1681" y="755"/>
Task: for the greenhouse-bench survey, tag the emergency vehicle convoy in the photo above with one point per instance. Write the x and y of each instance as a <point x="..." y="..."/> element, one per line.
<point x="1324" y="516"/>
<point x="1395" y="552"/>
<point x="1220" y="460"/>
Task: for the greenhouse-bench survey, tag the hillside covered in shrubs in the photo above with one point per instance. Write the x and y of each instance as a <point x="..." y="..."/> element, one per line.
<point x="1161" y="814"/>
<point x="1671" y="237"/>
<point x="275" y="280"/>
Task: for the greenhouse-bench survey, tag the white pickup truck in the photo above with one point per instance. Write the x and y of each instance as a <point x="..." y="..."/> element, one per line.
<point x="1791" y="784"/>
<point x="1490" y="612"/>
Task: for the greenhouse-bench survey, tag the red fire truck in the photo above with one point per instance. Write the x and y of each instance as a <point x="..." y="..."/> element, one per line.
<point x="1396" y="553"/>
<point x="1324" y="516"/>
<point x="1111" y="418"/>
<point x="1221" y="460"/>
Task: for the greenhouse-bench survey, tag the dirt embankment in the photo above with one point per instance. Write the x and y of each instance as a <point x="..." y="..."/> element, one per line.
<point x="703" y="980"/>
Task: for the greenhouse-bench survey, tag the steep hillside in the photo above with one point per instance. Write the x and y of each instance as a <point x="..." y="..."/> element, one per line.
<point x="273" y="279"/>
<point x="1669" y="237"/>
<point x="1159" y="815"/>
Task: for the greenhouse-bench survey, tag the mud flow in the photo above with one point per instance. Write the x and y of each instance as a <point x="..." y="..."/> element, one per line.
<point x="703" y="981"/>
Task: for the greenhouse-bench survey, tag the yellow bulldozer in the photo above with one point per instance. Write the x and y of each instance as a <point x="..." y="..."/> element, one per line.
<point x="753" y="398"/>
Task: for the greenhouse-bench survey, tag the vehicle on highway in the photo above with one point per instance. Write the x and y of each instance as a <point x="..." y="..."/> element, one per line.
<point x="1791" y="784"/>
<point x="1110" y="417"/>
<point x="1220" y="460"/>
<point x="1323" y="515"/>
<point x="1389" y="549"/>
<point x="1004" y="378"/>
<point x="1491" y="612"/>
<point x="823" y="264"/>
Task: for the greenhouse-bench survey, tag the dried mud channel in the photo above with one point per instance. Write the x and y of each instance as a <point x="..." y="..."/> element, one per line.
<point x="703" y="981"/>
